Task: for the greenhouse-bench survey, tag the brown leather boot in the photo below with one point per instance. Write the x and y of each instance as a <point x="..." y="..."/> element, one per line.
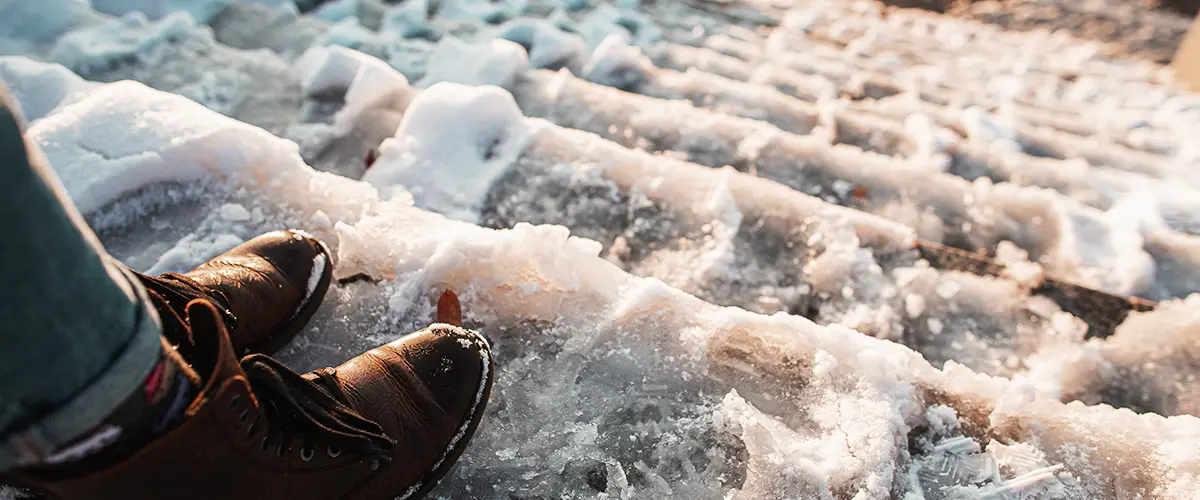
<point x="387" y="424"/>
<point x="266" y="289"/>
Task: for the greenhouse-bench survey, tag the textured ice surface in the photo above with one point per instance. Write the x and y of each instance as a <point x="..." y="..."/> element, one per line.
<point x="606" y="382"/>
<point x="700" y="287"/>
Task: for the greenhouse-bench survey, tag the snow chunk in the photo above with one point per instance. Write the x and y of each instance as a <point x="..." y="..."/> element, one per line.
<point x="117" y="138"/>
<point x="1017" y="265"/>
<point x="495" y="62"/>
<point x="233" y="212"/>
<point x="453" y="142"/>
<point x="367" y="81"/>
<point x="947" y="289"/>
<point x="100" y="45"/>
<point x="548" y="46"/>
<point x="1106" y="251"/>
<point x="935" y="325"/>
<point x="914" y="305"/>
<point x="329" y="69"/>
<point x="617" y="64"/>
<point x="41" y="87"/>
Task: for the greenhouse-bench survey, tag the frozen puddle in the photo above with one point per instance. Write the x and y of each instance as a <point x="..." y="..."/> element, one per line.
<point x="608" y="385"/>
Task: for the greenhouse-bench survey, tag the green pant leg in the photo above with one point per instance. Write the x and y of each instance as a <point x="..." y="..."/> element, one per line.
<point x="76" y="332"/>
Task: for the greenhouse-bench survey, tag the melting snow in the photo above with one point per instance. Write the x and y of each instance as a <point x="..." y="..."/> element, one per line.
<point x="701" y="286"/>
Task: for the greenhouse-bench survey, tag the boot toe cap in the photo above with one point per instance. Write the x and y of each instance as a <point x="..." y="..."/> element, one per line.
<point x="423" y="387"/>
<point x="428" y="391"/>
<point x="301" y="258"/>
<point x="453" y="363"/>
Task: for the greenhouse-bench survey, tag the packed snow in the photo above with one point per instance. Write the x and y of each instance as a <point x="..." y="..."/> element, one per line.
<point x="691" y="243"/>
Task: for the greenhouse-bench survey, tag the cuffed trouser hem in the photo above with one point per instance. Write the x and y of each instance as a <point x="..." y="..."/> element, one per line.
<point x="125" y="374"/>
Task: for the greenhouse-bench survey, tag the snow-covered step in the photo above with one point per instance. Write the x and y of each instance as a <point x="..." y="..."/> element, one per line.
<point x="259" y="87"/>
<point x="1159" y="366"/>
<point x="610" y="235"/>
<point x="849" y="23"/>
<point x="1046" y="56"/>
<point x="1102" y="89"/>
<point x="939" y="206"/>
<point x="810" y="85"/>
<point x="381" y="130"/>
<point x="895" y="133"/>
<point x="606" y="382"/>
<point x="1135" y="85"/>
<point x="593" y="194"/>
<point x="1046" y="139"/>
<point x="540" y="41"/>
<point x="406" y="39"/>
<point x="690" y="22"/>
<point x="614" y="385"/>
<point x="815" y="86"/>
<point x="745" y="99"/>
<point x="725" y="236"/>
<point x="177" y="55"/>
<point x="1017" y="76"/>
<point x="1096" y="172"/>
<point x="936" y="84"/>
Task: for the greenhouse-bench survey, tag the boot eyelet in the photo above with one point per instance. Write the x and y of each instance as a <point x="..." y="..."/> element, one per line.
<point x="250" y="429"/>
<point x="373" y="464"/>
<point x="333" y="451"/>
<point x="306" y="454"/>
<point x="242" y="418"/>
<point x="233" y="402"/>
<point x="280" y="452"/>
<point x="263" y="445"/>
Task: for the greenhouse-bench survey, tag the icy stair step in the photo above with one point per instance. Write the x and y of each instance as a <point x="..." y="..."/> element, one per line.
<point x="798" y="42"/>
<point x="815" y="86"/>
<point x="943" y="86"/>
<point x="845" y="23"/>
<point x="585" y="337"/>
<point x="840" y="174"/>
<point x="965" y="136"/>
<point x="727" y="237"/>
<point x="288" y="101"/>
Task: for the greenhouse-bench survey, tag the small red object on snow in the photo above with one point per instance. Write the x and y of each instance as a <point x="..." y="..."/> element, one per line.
<point x="372" y="155"/>
<point x="860" y="193"/>
<point x="449" y="311"/>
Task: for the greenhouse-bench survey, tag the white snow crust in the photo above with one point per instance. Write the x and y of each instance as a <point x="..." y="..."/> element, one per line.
<point x="688" y="241"/>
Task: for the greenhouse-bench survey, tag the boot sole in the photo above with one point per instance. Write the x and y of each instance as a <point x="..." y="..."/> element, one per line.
<point x="465" y="433"/>
<point x="282" y="336"/>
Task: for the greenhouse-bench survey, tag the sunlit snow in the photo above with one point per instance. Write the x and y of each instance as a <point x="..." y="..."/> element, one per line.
<point x="690" y="242"/>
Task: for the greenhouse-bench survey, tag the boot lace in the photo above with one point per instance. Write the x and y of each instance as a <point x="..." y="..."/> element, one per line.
<point x="171" y="294"/>
<point x="296" y="407"/>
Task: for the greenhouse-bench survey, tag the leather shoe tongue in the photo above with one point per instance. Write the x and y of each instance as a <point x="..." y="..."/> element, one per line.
<point x="210" y="353"/>
<point x="449" y="310"/>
